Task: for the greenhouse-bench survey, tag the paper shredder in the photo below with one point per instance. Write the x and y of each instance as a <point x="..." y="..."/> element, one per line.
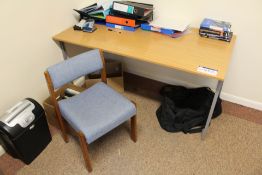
<point x="24" y="131"/>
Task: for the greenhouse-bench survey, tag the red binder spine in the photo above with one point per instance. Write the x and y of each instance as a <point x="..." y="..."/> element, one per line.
<point x="121" y="21"/>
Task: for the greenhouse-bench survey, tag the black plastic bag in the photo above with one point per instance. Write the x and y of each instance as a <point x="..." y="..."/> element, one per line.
<point x="186" y="110"/>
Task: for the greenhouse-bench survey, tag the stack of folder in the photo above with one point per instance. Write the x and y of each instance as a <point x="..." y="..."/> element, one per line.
<point x="127" y="15"/>
<point x="97" y="11"/>
<point x="215" y="29"/>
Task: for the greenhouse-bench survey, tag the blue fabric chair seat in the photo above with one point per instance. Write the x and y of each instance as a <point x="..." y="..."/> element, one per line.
<point x="96" y="111"/>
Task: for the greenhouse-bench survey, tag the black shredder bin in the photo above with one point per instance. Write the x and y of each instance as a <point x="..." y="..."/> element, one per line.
<point x="24" y="132"/>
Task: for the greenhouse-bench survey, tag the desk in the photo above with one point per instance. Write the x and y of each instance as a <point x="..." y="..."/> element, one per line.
<point x="186" y="53"/>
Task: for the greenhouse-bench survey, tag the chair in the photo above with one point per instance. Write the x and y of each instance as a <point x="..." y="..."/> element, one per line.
<point x="95" y="111"/>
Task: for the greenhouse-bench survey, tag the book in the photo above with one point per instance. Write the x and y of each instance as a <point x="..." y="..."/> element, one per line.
<point x="218" y="33"/>
<point x="215" y="25"/>
<point x="206" y="35"/>
<point x="216" y="29"/>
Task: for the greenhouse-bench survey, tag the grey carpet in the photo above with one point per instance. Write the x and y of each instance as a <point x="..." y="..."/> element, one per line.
<point x="233" y="146"/>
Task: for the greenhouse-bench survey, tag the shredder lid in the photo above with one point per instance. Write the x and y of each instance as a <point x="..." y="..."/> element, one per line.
<point x="21" y="114"/>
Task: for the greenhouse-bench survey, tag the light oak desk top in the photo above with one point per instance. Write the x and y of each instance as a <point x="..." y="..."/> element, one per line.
<point x="186" y="53"/>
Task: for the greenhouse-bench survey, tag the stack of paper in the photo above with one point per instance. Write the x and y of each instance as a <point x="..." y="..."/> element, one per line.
<point x="168" y="23"/>
<point x="171" y="27"/>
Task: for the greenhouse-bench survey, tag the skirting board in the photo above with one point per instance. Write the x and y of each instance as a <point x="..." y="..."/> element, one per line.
<point x="224" y="96"/>
<point x="2" y="151"/>
<point x="241" y="101"/>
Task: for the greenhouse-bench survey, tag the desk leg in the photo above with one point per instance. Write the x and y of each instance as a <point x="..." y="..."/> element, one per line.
<point x="62" y="46"/>
<point x="218" y="90"/>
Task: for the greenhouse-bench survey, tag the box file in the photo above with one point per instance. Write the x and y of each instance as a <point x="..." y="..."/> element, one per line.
<point x="132" y="8"/>
<point x="115" y="26"/>
<point x="121" y="21"/>
<point x="157" y="29"/>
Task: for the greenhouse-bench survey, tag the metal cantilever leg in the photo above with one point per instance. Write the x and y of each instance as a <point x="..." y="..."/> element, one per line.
<point x="62" y="46"/>
<point x="218" y="90"/>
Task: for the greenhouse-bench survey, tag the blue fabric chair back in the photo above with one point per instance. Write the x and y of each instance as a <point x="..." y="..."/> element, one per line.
<point x="75" y="67"/>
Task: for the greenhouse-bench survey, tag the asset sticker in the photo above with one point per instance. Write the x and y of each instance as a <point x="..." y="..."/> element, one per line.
<point x="207" y="70"/>
<point x="118" y="27"/>
<point x="156" y="29"/>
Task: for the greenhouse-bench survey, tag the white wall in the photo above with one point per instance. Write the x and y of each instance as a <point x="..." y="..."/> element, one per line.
<point x="27" y="48"/>
<point x="243" y="83"/>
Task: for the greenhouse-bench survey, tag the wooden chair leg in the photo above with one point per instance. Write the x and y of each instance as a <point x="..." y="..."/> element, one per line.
<point x="64" y="130"/>
<point x="133" y="129"/>
<point x="84" y="148"/>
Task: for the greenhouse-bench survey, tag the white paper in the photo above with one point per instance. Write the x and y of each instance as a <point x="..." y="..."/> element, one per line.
<point x="171" y="23"/>
<point x="206" y="70"/>
<point x="106" y="4"/>
<point x="80" y="81"/>
<point x="121" y="7"/>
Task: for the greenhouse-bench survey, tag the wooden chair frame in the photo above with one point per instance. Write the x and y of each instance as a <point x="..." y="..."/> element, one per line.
<point x="63" y="124"/>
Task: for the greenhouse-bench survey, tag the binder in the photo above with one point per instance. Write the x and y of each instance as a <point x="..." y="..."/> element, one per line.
<point x="121" y="21"/>
<point x="84" y="11"/>
<point x="157" y="29"/>
<point x="134" y="9"/>
<point x="147" y="18"/>
<point x="115" y="26"/>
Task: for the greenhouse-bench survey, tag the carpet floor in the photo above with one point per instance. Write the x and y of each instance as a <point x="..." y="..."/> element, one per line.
<point x="232" y="146"/>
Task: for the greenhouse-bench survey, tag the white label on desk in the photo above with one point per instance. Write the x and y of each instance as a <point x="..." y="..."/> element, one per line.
<point x="118" y="27"/>
<point x="206" y="70"/>
<point x="156" y="29"/>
